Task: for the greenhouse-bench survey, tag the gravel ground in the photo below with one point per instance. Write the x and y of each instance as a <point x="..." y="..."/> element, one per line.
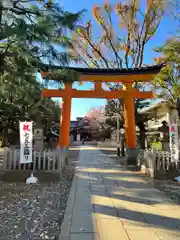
<point x="34" y="211"/>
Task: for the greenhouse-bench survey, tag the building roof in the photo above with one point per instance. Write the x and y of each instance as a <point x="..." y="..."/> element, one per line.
<point x="154" y="106"/>
<point x="114" y="71"/>
<point x="74" y="123"/>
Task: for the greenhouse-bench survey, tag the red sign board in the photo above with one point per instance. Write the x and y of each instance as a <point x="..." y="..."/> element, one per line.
<point x="172" y="129"/>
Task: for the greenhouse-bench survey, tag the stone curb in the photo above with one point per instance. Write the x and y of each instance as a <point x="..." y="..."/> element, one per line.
<point x="66" y="225"/>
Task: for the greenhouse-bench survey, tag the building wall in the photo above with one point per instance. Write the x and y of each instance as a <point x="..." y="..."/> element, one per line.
<point x="160" y="114"/>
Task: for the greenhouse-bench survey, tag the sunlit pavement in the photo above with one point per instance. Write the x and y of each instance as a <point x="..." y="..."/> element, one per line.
<point x="107" y="202"/>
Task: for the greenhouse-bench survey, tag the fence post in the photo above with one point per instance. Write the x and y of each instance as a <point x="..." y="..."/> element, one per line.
<point x="59" y="152"/>
<point x="167" y="160"/>
<point x="60" y="160"/>
<point x="163" y="160"/>
<point x="154" y="167"/>
<point x="158" y="161"/>
<point x="53" y="161"/>
<point x="140" y="158"/>
<point x="34" y="162"/>
<point x="10" y="159"/>
<point x="14" y="159"/>
<point x="44" y="159"/>
<point x="19" y="164"/>
<point x="5" y="157"/>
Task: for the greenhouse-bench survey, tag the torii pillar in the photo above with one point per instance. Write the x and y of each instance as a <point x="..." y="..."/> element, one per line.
<point x="65" y="118"/>
<point x="129" y="124"/>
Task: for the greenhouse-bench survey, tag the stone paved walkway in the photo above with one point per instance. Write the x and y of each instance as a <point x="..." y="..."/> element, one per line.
<point x="107" y="202"/>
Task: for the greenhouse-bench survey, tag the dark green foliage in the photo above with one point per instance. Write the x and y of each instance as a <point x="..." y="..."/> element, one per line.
<point x="31" y="33"/>
<point x="167" y="81"/>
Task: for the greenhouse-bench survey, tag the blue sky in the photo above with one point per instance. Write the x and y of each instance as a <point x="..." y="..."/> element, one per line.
<point x="80" y="107"/>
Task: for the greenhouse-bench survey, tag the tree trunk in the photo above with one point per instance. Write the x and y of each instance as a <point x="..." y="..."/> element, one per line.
<point x="1" y="12"/>
<point x="178" y="106"/>
<point x="5" y="137"/>
<point x="142" y="135"/>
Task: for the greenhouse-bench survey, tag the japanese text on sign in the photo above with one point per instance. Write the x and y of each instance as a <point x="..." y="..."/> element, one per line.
<point x="26" y="142"/>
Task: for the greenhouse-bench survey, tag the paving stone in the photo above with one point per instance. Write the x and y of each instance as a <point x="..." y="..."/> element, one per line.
<point x="83" y="183"/>
<point x="83" y="202"/>
<point x="162" y="222"/>
<point x="106" y="211"/>
<point x="142" y="234"/>
<point x="131" y="206"/>
<point x="110" y="229"/>
<point x="83" y="191"/>
<point x="84" y="236"/>
<point x="99" y="186"/>
<point x="165" y="234"/>
<point x="100" y="192"/>
<point x="83" y="221"/>
<point x="135" y="225"/>
<point x="130" y="215"/>
<point x="165" y="205"/>
<point x="130" y="197"/>
<point x="101" y="200"/>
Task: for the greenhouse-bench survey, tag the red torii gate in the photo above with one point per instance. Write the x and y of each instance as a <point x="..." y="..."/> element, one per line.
<point x="126" y="76"/>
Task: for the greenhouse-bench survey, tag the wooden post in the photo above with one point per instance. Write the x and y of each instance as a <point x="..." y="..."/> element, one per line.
<point x="129" y="117"/>
<point x="66" y="115"/>
<point x="98" y="86"/>
<point x="118" y="135"/>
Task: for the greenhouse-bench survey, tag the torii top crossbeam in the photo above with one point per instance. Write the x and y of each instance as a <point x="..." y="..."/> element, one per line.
<point x="126" y="76"/>
<point x="144" y="74"/>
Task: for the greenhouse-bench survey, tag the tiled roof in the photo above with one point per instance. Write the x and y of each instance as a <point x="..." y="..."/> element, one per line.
<point x="153" y="106"/>
<point x="115" y="71"/>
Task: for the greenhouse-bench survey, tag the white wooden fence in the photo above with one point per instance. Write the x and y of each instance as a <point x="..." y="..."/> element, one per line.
<point x="154" y="161"/>
<point x="49" y="161"/>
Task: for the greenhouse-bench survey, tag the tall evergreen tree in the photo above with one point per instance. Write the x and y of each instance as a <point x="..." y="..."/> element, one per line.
<point x="167" y="83"/>
<point x="31" y="33"/>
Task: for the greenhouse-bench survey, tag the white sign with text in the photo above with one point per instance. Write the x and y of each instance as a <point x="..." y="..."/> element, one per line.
<point x="173" y="141"/>
<point x="26" y="138"/>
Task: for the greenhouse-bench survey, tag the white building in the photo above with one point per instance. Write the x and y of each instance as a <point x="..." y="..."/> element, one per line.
<point x="159" y="112"/>
<point x="157" y="131"/>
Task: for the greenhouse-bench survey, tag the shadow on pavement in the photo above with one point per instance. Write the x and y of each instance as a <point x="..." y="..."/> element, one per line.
<point x="113" y="203"/>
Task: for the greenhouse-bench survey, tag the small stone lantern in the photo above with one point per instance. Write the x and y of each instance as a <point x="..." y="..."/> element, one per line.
<point x="39" y="135"/>
<point x="164" y="135"/>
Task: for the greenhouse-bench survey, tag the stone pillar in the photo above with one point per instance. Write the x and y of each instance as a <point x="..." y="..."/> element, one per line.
<point x="38" y="139"/>
<point x="78" y="137"/>
<point x="39" y="135"/>
<point x="165" y="136"/>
